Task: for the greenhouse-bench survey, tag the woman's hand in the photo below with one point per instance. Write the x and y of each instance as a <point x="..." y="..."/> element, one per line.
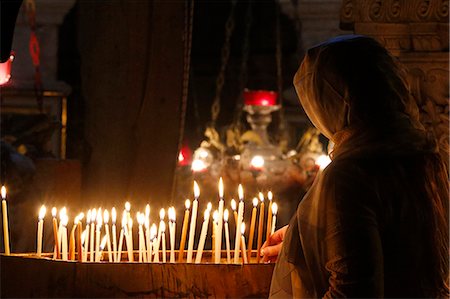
<point x="272" y="247"/>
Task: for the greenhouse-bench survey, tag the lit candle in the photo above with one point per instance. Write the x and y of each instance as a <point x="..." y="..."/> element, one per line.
<point x="86" y="245"/>
<point x="234" y="207"/>
<point x="83" y="240"/>
<point x="269" y="211"/>
<point x="238" y="226"/>
<point x="274" y="216"/>
<point x="244" y="251"/>
<point x="162" y="215"/>
<point x="148" y="239"/>
<point x="214" y="233"/>
<point x="184" y="231"/>
<point x="72" y="239"/>
<point x="5" y="222"/>
<point x="163" y="238"/>
<point x="55" y="234"/>
<point x="130" y="240"/>
<point x="91" y="235"/>
<point x="227" y="235"/>
<point x="153" y="238"/>
<point x="114" y="232"/>
<point x="260" y="227"/>
<point x="79" y="230"/>
<point x="64" y="221"/>
<point x="252" y="228"/>
<point x="123" y="231"/>
<point x="201" y="242"/>
<point x="62" y="212"/>
<point x="172" y="218"/>
<point x="141" y="220"/>
<point x="220" y="223"/>
<point x="193" y="222"/>
<point x="98" y="228"/>
<point x="108" y="239"/>
<point x="101" y="247"/>
<point x="40" y="229"/>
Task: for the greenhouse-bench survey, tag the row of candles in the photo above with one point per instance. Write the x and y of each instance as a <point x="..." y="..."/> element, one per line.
<point x="89" y="243"/>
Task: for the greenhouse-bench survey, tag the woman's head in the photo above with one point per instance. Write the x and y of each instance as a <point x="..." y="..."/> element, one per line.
<point x="352" y="82"/>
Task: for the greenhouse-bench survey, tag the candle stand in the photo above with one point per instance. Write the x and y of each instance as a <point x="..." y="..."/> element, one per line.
<point x="26" y="275"/>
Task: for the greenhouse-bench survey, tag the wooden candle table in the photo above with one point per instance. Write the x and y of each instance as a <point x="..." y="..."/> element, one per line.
<point x="26" y="275"/>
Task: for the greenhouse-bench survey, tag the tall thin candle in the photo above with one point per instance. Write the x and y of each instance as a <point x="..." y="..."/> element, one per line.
<point x="5" y="222"/>
<point x="274" y="217"/>
<point x="55" y="234"/>
<point x="141" y="220"/>
<point x="64" y="222"/>
<point x="130" y="240"/>
<point x="86" y="238"/>
<point x="108" y="238"/>
<point x="184" y="231"/>
<point x="172" y="227"/>
<point x="234" y="207"/>
<point x="201" y="242"/>
<point x="40" y="229"/>
<point x="227" y="235"/>
<point x="238" y="226"/>
<point x="92" y="235"/>
<point x="72" y="239"/>
<point x="244" y="251"/>
<point x="269" y="211"/>
<point x="98" y="231"/>
<point x="220" y="223"/>
<point x="79" y="230"/>
<point x="163" y="238"/>
<point x="193" y="223"/>
<point x="252" y="228"/>
<point x="114" y="232"/>
<point x="260" y="227"/>
<point x="123" y="231"/>
<point x="153" y="233"/>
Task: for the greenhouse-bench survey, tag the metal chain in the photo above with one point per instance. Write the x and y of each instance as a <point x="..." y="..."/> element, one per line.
<point x="30" y="7"/>
<point x="229" y="27"/>
<point x="244" y="64"/>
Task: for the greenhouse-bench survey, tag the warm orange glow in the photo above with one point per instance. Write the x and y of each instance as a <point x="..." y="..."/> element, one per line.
<point x="274" y="208"/>
<point x="270" y="195"/>
<point x="242" y="228"/>
<point x="255" y="202"/>
<point x="241" y="192"/>
<point x="113" y="215"/>
<point x="3" y="192"/>
<point x="196" y="190"/>
<point x="187" y="204"/>
<point x="220" y="187"/>
<point x="233" y="204"/>
<point x="106" y="216"/>
<point x="209" y="206"/>
<point x="162" y="214"/>
<point x="226" y="214"/>
<point x="54" y="212"/>
<point x="42" y="212"/>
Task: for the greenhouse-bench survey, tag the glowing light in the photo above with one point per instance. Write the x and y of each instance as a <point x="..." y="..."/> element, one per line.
<point x="113" y="215"/>
<point x="274" y="208"/>
<point x="106" y="216"/>
<point x="206" y="215"/>
<point x="103" y="243"/>
<point x="99" y="218"/>
<point x="323" y="161"/>
<point x="270" y="195"/>
<point x="163" y="227"/>
<point x="3" y="192"/>
<point x="140" y="218"/>
<point x="196" y="190"/>
<point x="226" y="214"/>
<point x="153" y="231"/>
<point x="5" y="70"/>
<point x="241" y="192"/>
<point x="42" y="212"/>
<point x="187" y="204"/>
<point x="242" y="228"/>
<point x="64" y="220"/>
<point x="54" y="211"/>
<point x="88" y="217"/>
<point x="255" y="202"/>
<point x="216" y="216"/>
<point x="198" y="165"/>
<point x="162" y="214"/>
<point x="220" y="187"/>
<point x="261" y="197"/>
<point x="233" y="204"/>
<point x="180" y="157"/>
<point x="127" y="206"/>
<point x="147" y="211"/>
<point x="257" y="162"/>
<point x="172" y="214"/>
<point x="209" y="206"/>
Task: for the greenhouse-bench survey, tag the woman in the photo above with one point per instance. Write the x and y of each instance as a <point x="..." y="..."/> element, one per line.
<point x="375" y="222"/>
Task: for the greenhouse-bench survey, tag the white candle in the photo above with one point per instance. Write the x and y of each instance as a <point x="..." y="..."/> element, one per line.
<point x="5" y="222"/>
<point x="40" y="229"/>
<point x="233" y="208"/>
<point x="101" y="247"/>
<point x="142" y="252"/>
<point x="184" y="231"/>
<point x="123" y="231"/>
<point x="162" y="215"/>
<point x="147" y="239"/>
<point x="108" y="239"/>
<point x="153" y="232"/>
<point x="92" y="235"/>
<point x="244" y="251"/>
<point x="172" y="228"/>
<point x="129" y="234"/>
<point x="62" y="214"/>
<point x="238" y="226"/>
<point x="227" y="235"/>
<point x="269" y="211"/>
<point x="163" y="238"/>
<point x="220" y="223"/>
<point x="55" y="234"/>
<point x="98" y="228"/>
<point x="193" y="222"/>
<point x="114" y="233"/>
<point x="156" y="243"/>
<point x="201" y="242"/>
<point x="64" y="221"/>
<point x="274" y="216"/>
<point x="86" y="243"/>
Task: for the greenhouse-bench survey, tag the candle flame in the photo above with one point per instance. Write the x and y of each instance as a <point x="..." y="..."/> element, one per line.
<point x="221" y="188"/>
<point x="187" y="204"/>
<point x="140" y="218"/>
<point x="257" y="162"/>
<point x="113" y="215"/>
<point x="147" y="222"/>
<point x="103" y="243"/>
<point x="130" y="223"/>
<point x="42" y="212"/>
<point x="127" y="206"/>
<point x="196" y="190"/>
<point x="81" y="216"/>
<point x="162" y="214"/>
<point x="242" y="228"/>
<point x="83" y="236"/>
<point x="76" y="220"/>
<point x="233" y="204"/>
<point x="163" y="227"/>
<point x="153" y="231"/>
<point x="106" y="216"/>
<point x="93" y="215"/>
<point x="99" y="217"/>
<point x="124" y="221"/>
<point x="64" y="220"/>
<point x="323" y="161"/>
<point x="206" y="215"/>
<point x="274" y="208"/>
<point x="147" y="211"/>
<point x="54" y="212"/>
<point x="209" y="206"/>
<point x="172" y="214"/>
<point x="255" y="202"/>
<point x="261" y="197"/>
<point x="241" y="192"/>
<point x="226" y="214"/>
<point x="62" y="212"/>
<point x="216" y="216"/>
<point x="270" y="195"/>
<point x="88" y="217"/>
<point x="3" y="192"/>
